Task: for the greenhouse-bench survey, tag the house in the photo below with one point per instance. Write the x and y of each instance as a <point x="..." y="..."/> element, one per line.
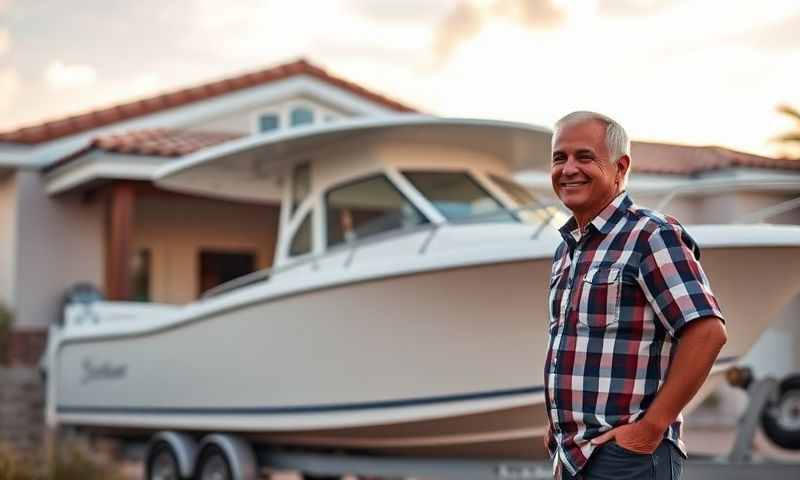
<point x="77" y="203"/>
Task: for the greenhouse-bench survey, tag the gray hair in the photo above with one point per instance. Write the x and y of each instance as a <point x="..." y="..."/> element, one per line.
<point x="617" y="139"/>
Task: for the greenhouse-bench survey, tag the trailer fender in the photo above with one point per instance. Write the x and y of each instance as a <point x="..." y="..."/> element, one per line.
<point x="184" y="447"/>
<point x="238" y="452"/>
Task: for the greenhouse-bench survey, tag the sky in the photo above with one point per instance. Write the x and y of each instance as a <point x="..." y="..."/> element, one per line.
<point x="685" y="71"/>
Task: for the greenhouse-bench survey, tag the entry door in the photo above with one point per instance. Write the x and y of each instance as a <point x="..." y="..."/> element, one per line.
<point x="218" y="267"/>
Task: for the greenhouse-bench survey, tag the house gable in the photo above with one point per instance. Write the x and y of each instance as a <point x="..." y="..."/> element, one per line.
<point x="235" y="100"/>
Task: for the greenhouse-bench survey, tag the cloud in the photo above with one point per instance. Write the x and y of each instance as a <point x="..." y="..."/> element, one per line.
<point x="540" y="13"/>
<point x="143" y="84"/>
<point x="392" y="11"/>
<point x="5" y="41"/>
<point x="467" y="19"/>
<point x="9" y="87"/>
<point x="781" y="35"/>
<point x="464" y="22"/>
<point x="61" y="76"/>
<point x="630" y="8"/>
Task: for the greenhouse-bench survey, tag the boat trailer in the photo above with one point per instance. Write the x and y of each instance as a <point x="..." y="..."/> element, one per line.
<point x="250" y="462"/>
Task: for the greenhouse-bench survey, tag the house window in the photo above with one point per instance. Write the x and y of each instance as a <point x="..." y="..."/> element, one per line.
<point x="301" y="243"/>
<point x="301" y="184"/>
<point x="140" y="276"/>
<point x="218" y="267"/>
<point x="367" y="207"/>
<point x="268" y="122"/>
<point x="301" y="116"/>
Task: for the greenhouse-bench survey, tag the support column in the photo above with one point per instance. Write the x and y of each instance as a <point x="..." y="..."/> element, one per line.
<point x="120" y="230"/>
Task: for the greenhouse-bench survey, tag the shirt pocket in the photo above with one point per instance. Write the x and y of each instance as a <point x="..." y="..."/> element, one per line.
<point x="599" y="300"/>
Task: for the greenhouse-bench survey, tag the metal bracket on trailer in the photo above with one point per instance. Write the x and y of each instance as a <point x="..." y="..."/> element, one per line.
<point x="759" y="394"/>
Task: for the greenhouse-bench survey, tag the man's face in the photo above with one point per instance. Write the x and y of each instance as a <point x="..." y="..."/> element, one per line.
<point x="583" y="175"/>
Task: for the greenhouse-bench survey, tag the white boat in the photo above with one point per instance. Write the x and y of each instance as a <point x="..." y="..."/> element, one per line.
<point x="406" y="311"/>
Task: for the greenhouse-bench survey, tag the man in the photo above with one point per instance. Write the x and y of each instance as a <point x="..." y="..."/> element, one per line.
<point x="634" y="327"/>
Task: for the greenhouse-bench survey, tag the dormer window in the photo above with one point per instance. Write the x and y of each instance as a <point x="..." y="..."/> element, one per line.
<point x="290" y="114"/>
<point x="268" y="122"/>
<point x="301" y="116"/>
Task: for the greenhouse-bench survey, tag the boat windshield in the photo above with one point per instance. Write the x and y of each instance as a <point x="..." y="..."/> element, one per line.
<point x="532" y="210"/>
<point x="458" y="197"/>
<point x="366" y="207"/>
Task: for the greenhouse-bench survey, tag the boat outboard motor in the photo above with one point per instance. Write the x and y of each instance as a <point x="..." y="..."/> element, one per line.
<point x="84" y="294"/>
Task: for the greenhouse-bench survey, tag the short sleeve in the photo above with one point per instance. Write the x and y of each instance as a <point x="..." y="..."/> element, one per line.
<point x="673" y="280"/>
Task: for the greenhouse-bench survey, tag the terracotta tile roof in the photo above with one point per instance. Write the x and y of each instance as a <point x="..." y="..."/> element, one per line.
<point x="161" y="142"/>
<point x="648" y="157"/>
<point x="666" y="158"/>
<point x="52" y="130"/>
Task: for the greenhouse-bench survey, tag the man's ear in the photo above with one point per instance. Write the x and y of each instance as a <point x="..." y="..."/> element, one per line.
<point x="623" y="164"/>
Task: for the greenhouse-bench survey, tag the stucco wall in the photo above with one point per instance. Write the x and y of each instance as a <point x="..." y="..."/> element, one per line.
<point x="176" y="229"/>
<point x="61" y="243"/>
<point x="8" y="204"/>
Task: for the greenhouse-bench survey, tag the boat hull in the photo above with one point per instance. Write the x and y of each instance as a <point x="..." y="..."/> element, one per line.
<point x="450" y="364"/>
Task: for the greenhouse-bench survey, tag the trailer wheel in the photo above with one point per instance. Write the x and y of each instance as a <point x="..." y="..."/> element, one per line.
<point x="213" y="465"/>
<point x="781" y="420"/>
<point x="162" y="463"/>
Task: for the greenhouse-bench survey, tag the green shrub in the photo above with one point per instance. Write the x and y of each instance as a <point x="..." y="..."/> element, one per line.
<point x="12" y="467"/>
<point x="71" y="464"/>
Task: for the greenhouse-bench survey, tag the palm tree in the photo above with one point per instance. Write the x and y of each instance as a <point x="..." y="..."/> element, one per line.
<point x="793" y="136"/>
<point x="791" y="139"/>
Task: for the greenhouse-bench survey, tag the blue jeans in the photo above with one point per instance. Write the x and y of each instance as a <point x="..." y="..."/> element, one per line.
<point x="613" y="462"/>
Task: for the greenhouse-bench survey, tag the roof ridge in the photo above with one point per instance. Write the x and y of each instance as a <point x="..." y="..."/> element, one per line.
<point x="102" y="116"/>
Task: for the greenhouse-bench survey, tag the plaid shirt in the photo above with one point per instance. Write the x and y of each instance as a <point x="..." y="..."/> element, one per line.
<point x="619" y="296"/>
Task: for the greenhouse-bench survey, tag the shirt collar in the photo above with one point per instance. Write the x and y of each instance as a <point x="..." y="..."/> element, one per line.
<point x="603" y="222"/>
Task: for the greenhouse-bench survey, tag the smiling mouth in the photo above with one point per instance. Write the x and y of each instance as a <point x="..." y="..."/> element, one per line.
<point x="573" y="184"/>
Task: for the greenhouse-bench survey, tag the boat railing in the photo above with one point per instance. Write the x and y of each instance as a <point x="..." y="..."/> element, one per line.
<point x="756" y="216"/>
<point x="351" y="246"/>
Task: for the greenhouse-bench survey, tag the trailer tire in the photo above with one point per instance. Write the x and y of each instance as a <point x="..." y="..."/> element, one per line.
<point x="213" y="464"/>
<point x="781" y="419"/>
<point x="162" y="463"/>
